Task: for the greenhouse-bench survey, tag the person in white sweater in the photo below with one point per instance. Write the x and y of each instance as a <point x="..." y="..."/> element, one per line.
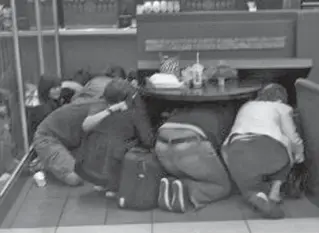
<point x="262" y="147"/>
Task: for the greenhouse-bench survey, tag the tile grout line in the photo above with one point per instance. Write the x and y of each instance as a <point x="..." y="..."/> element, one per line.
<point x="152" y="221"/>
<point x="244" y="218"/>
<point x="17" y="210"/>
<point x="106" y="212"/>
<point x="247" y="225"/>
<point x="62" y="212"/>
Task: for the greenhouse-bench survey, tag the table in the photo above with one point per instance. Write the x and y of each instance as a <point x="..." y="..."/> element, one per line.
<point x="210" y="93"/>
<point x="231" y="97"/>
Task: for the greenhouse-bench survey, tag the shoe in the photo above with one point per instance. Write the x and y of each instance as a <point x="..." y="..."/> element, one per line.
<point x="164" y="195"/>
<point x="72" y="179"/>
<point x="268" y="208"/>
<point x="110" y="194"/>
<point x="178" y="199"/>
<point x="99" y="188"/>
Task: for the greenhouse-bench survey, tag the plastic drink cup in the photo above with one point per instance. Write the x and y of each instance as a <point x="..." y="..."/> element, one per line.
<point x="40" y="179"/>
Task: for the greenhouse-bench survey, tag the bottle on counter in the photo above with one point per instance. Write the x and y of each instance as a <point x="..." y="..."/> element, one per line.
<point x="252" y="7"/>
<point x="139" y="9"/>
<point x="148" y="7"/>
<point x="170" y="6"/>
<point x="198" y="73"/>
<point x="163" y="6"/>
<point x="156" y="7"/>
<point x="176" y="6"/>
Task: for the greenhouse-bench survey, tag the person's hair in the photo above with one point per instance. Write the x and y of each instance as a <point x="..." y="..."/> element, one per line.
<point x="116" y="91"/>
<point x="116" y="72"/>
<point x="273" y="92"/>
<point x="82" y="77"/>
<point x="132" y="75"/>
<point x="44" y="86"/>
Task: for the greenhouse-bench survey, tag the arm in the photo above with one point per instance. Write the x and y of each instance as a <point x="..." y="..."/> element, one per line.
<point x="142" y="123"/>
<point x="290" y="131"/>
<point x="90" y="122"/>
<point x="100" y="112"/>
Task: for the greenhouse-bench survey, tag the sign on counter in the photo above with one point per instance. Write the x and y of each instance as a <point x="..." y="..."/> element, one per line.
<point x="202" y="44"/>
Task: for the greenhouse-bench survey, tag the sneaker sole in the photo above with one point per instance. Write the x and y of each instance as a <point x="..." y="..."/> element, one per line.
<point x="178" y="195"/>
<point x="163" y="197"/>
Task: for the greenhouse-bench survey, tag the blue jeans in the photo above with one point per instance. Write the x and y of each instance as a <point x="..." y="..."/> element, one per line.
<point x="196" y="163"/>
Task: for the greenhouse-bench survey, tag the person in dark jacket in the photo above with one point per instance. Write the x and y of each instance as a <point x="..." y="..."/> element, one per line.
<point x="188" y="147"/>
<point x="49" y="90"/>
<point x="110" y="135"/>
<point x="58" y="137"/>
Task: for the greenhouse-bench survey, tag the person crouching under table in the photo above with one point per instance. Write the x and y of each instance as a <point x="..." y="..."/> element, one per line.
<point x="110" y="135"/>
<point x="188" y="146"/>
<point x="261" y="149"/>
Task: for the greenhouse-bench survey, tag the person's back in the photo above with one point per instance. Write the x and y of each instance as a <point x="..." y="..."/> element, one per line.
<point x="65" y="124"/>
<point x="212" y="121"/>
<point x="261" y="117"/>
<point x="93" y="89"/>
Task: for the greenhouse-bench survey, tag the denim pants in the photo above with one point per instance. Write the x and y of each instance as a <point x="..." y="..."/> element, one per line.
<point x="255" y="162"/>
<point x="196" y="163"/>
<point x="54" y="156"/>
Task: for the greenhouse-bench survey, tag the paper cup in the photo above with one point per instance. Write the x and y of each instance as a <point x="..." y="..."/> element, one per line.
<point x="39" y="178"/>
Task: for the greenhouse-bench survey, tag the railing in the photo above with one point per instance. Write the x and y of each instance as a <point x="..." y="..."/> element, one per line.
<point x="309" y="5"/>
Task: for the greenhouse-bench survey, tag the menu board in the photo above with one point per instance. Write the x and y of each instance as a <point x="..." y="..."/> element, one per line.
<point x="208" y="44"/>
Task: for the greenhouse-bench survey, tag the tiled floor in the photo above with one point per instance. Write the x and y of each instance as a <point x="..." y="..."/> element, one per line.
<point x="305" y="225"/>
<point x="56" y="208"/>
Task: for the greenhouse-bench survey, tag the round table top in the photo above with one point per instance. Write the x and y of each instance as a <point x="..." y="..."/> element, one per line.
<point x="243" y="90"/>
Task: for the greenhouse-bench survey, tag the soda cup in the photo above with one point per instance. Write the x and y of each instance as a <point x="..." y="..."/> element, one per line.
<point x="39" y="178"/>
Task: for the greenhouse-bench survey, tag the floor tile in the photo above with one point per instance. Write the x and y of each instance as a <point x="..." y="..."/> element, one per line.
<point x="300" y="208"/>
<point x="29" y="230"/>
<point x="225" y="210"/>
<point x="83" y="211"/>
<point x="314" y="199"/>
<point x="160" y="216"/>
<point x="84" y="191"/>
<point x="247" y="211"/>
<point x="39" y="213"/>
<point x="131" y="228"/>
<point x="51" y="190"/>
<point x="120" y="216"/>
<point x="284" y="225"/>
<point x="33" y="230"/>
<point x="202" y="227"/>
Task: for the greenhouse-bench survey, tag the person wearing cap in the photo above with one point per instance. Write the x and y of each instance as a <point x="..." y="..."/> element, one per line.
<point x="262" y="147"/>
<point x="110" y="135"/>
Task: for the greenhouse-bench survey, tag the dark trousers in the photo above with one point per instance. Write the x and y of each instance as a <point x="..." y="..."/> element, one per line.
<point x="254" y="163"/>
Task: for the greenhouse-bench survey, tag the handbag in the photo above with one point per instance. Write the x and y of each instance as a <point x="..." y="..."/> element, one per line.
<point x="296" y="183"/>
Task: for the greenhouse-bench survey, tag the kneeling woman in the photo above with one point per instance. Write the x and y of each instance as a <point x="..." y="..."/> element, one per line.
<point x="111" y="134"/>
<point x="262" y="146"/>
